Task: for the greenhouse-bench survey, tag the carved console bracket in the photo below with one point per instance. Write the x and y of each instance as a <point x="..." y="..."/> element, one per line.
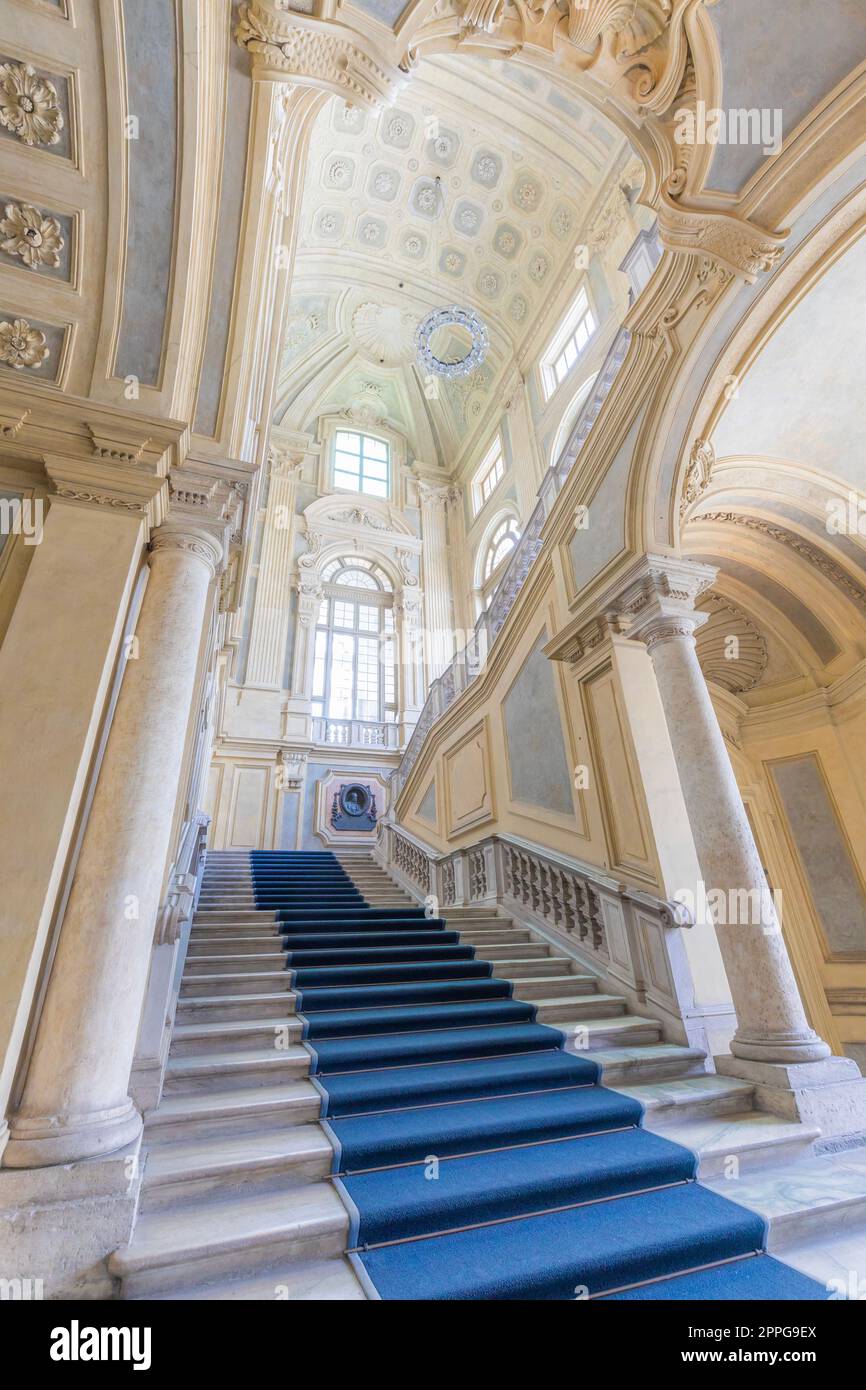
<point x="321" y="53"/>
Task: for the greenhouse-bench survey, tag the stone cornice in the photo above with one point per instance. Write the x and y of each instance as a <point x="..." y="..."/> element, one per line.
<point x="321" y="53"/>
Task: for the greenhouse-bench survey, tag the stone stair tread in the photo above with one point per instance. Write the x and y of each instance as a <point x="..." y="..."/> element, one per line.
<point x="185" y="1031"/>
<point x="194" y="1062"/>
<point x="650" y="1053"/>
<point x="232" y="1103"/>
<point x="686" y="1090"/>
<point x="209" y="1001"/>
<point x="617" y="1023"/>
<point x="264" y="976"/>
<point x="190" y="1158"/>
<point x="808" y="1184"/>
<point x="736" y="1132"/>
<point x="214" y="1226"/>
<point x="314" y="1280"/>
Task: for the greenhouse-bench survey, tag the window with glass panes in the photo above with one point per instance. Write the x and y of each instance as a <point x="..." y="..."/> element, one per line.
<point x="569" y="343"/>
<point x="354" y="673"/>
<point x="361" y="463"/>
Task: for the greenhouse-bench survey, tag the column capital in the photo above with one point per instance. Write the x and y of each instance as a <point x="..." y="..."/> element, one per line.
<point x="655" y="600"/>
<point x="193" y="541"/>
<point x="438" y="494"/>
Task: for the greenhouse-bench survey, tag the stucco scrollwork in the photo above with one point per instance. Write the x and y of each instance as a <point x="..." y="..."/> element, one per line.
<point x="701" y="461"/>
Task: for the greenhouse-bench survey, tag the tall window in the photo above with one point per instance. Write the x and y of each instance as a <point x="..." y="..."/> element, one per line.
<point x="361" y="463"/>
<point x="500" y="545"/>
<point x="570" y="341"/>
<point x="488" y="475"/>
<point x="354" y="675"/>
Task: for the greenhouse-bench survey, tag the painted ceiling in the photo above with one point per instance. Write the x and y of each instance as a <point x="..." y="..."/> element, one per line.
<point x="475" y="188"/>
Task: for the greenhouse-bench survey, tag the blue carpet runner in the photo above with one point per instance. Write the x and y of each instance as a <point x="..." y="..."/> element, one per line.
<point x="476" y="1157"/>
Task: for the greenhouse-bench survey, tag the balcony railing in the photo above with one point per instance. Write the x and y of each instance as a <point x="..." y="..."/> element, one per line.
<point x="355" y="733"/>
<point x="468" y="664"/>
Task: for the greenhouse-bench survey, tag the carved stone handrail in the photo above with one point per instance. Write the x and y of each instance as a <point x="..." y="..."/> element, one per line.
<point x="468" y="664"/>
<point x="628" y="937"/>
<point x="184" y="884"/>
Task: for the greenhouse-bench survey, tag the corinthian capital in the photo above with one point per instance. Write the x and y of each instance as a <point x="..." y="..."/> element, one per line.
<point x="321" y="53"/>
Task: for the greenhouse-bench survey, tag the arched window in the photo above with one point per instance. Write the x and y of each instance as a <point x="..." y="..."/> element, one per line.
<point x="500" y="545"/>
<point x="354" y="672"/>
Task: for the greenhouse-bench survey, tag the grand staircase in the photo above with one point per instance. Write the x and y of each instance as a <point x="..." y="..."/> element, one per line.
<point x="346" y="1075"/>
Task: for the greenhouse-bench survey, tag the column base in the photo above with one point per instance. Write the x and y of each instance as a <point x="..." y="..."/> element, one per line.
<point x="788" y="1049"/>
<point x="830" y="1093"/>
<point x="59" y="1225"/>
<point x="41" y="1142"/>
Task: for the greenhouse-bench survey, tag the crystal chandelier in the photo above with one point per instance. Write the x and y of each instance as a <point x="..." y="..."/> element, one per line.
<point x="451" y="316"/>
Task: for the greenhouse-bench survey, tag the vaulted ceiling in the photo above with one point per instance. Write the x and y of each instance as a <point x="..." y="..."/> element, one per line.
<point x="520" y="168"/>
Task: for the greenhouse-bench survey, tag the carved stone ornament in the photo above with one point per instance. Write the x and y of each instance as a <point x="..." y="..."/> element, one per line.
<point x="740" y="246"/>
<point x="30" y="235"/>
<point x="29" y="105"/>
<point x="701" y="461"/>
<point x="731" y="649"/>
<point x="22" y="345"/>
<point x="316" y="53"/>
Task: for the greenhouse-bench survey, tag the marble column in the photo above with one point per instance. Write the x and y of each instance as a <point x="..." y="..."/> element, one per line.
<point x="75" y="1102"/>
<point x="438" y="600"/>
<point x="270" y="624"/>
<point x="771" y="1020"/>
<point x="774" y="1045"/>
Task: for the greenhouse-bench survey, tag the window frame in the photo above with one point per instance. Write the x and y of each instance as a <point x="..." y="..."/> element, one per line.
<point x="492" y="462"/>
<point x="360" y="491"/>
<point x="381" y="598"/>
<point x="581" y="310"/>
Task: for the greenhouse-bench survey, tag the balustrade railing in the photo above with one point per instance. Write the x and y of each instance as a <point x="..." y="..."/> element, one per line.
<point x="628" y="936"/>
<point x="355" y="733"/>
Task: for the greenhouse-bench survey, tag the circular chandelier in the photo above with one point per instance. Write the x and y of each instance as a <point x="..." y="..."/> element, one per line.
<point x="452" y="316"/>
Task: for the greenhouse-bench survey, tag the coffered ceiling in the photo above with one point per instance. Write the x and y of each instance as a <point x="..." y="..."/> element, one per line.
<point x="474" y="188"/>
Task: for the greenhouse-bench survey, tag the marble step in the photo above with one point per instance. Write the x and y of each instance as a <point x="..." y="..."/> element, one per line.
<point x="652" y="1062"/>
<point x="193" y="1039"/>
<point x="241" y="982"/>
<point x="584" y="1034"/>
<point x="575" y="1009"/>
<point x="221" y="917"/>
<point x="507" y="936"/>
<point x="519" y="966"/>
<point x="689" y="1097"/>
<point x="235" y="1069"/>
<point x="230" y="1007"/>
<point x="201" y="937"/>
<point x="331" y="1281"/>
<point x="224" y="1111"/>
<point x="243" y="963"/>
<point x="221" y="1164"/>
<point x="548" y="987"/>
<point x="172" y="1249"/>
<point x="731" y="1143"/>
<point x="232" y="945"/>
<point x="809" y="1198"/>
<point x="534" y="950"/>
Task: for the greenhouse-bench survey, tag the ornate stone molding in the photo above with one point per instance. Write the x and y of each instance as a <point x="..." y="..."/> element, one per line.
<point x="205" y="547"/>
<point x="316" y="53"/>
<point x="805" y="549"/>
<point x="701" y="462"/>
<point x="291" y="769"/>
<point x="108" y="484"/>
<point x="30" y="235"/>
<point x="656" y="599"/>
<point x="743" y="248"/>
<point x="124" y="445"/>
